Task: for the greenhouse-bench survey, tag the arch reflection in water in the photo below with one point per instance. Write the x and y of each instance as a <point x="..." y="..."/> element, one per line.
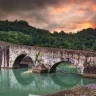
<point x="63" y="80"/>
<point x="11" y="84"/>
<point x="25" y="79"/>
<point x="41" y="84"/>
<point x="66" y="80"/>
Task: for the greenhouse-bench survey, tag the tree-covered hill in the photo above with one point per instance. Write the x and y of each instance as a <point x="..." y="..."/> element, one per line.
<point x="20" y="32"/>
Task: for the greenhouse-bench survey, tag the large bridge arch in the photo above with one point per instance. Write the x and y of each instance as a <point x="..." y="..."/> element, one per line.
<point x="66" y="60"/>
<point x="53" y="68"/>
<point x="19" y="58"/>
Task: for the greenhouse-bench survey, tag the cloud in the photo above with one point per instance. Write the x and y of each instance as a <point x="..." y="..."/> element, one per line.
<point x="13" y="5"/>
<point x="67" y="15"/>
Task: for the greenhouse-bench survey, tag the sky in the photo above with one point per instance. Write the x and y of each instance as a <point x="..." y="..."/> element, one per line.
<point x="52" y="15"/>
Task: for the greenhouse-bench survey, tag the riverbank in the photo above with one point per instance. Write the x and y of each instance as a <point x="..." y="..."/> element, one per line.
<point x="87" y="90"/>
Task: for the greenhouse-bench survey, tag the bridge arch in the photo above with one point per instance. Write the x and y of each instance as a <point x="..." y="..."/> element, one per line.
<point x="67" y="60"/>
<point x="19" y="58"/>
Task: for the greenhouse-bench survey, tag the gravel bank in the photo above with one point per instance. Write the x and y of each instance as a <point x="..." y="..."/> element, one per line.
<point x="91" y="86"/>
<point x="87" y="90"/>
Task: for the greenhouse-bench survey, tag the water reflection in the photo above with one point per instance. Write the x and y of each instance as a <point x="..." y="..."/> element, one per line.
<point x="66" y="80"/>
<point x="24" y="80"/>
<point x="17" y="82"/>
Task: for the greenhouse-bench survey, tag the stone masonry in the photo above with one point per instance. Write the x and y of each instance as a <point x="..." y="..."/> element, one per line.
<point x="12" y="54"/>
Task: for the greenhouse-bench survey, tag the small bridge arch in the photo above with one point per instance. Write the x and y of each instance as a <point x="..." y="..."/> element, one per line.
<point x="19" y="58"/>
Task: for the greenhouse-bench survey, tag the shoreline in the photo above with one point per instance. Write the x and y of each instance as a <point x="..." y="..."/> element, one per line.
<point x="86" y="90"/>
<point x="88" y="75"/>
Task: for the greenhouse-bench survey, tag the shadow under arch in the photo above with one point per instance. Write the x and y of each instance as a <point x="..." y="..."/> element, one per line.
<point x="19" y="59"/>
<point x="65" y="83"/>
<point x="20" y="79"/>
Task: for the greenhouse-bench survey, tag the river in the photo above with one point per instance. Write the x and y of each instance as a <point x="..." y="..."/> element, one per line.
<point x="21" y="82"/>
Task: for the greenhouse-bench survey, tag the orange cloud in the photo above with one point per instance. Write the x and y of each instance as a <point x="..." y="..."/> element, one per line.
<point x="74" y="17"/>
<point x="58" y="10"/>
<point x="87" y="25"/>
<point x="75" y="27"/>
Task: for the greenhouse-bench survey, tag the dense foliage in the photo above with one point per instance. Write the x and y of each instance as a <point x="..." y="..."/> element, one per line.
<point x="20" y="32"/>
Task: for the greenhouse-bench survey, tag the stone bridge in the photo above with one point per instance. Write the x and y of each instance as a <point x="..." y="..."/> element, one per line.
<point x="12" y="54"/>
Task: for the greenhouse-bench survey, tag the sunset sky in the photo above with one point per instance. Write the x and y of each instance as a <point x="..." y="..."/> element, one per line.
<point x="53" y="15"/>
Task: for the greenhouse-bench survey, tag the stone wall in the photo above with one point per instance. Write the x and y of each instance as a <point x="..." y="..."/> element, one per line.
<point x="51" y="57"/>
<point x="0" y="55"/>
<point x="4" y="54"/>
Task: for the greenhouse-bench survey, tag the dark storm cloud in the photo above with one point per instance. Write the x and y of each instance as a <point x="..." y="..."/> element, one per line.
<point x="67" y="15"/>
<point x="2" y="16"/>
<point x="12" y="5"/>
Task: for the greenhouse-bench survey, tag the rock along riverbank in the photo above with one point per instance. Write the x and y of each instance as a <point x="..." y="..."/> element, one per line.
<point x="87" y="90"/>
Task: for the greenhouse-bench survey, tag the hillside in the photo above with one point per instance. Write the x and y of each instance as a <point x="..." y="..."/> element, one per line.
<point x="20" y="32"/>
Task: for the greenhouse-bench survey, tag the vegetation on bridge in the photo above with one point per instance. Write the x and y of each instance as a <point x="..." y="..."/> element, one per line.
<point x="20" y="32"/>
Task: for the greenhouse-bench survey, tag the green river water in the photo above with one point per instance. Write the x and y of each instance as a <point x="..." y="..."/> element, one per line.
<point x="21" y="82"/>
